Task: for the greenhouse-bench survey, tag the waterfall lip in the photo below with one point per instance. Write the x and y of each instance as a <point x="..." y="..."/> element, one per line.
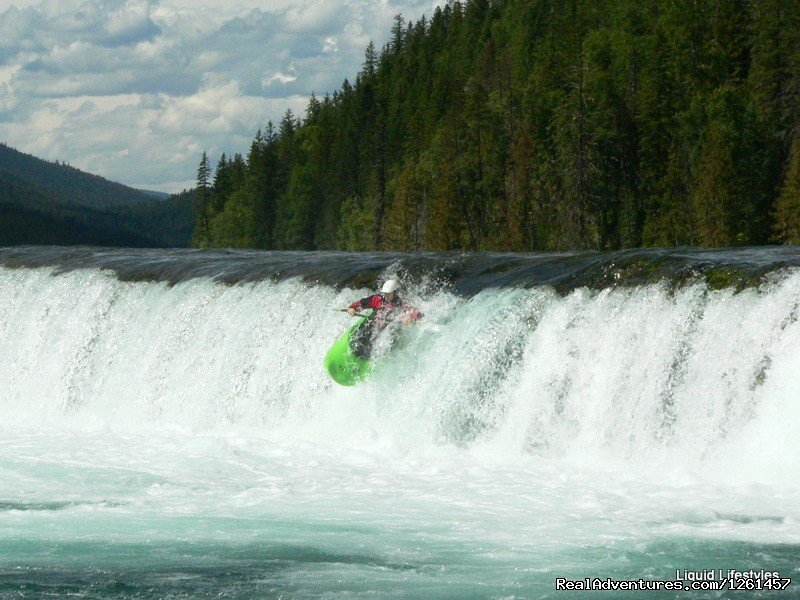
<point x="631" y="374"/>
<point x="463" y="273"/>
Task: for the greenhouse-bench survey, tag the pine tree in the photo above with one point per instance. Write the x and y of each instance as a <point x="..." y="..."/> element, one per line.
<point x="202" y="231"/>
<point x="398" y="35"/>
<point x="787" y="207"/>
<point x="714" y="191"/>
<point x="370" y="63"/>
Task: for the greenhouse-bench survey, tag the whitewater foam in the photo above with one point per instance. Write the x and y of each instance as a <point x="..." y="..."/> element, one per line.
<point x="689" y="375"/>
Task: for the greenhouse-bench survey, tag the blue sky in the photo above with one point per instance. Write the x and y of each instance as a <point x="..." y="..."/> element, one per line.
<point x="135" y="90"/>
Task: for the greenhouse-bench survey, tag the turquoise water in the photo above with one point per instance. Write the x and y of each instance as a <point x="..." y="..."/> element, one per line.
<point x="247" y="516"/>
<point x="184" y="442"/>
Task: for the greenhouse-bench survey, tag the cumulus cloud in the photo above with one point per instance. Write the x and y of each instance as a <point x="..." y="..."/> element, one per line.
<point x="135" y="90"/>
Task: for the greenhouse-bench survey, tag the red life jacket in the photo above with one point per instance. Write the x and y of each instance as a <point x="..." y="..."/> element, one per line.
<point x="386" y="311"/>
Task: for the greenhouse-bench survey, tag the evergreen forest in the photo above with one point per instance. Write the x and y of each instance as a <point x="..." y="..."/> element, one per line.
<point x="526" y="125"/>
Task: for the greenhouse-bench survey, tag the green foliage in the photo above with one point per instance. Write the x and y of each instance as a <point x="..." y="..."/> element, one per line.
<point x="787" y="217"/>
<point x="357" y="223"/>
<point x="522" y="125"/>
<point x="235" y="226"/>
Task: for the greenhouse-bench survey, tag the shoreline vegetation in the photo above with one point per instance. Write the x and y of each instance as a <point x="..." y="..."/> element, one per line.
<point x="515" y="125"/>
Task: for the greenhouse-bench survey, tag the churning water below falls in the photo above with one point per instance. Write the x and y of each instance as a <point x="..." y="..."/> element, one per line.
<point x="167" y="429"/>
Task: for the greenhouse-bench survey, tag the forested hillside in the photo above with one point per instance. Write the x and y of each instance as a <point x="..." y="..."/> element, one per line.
<point x="50" y="203"/>
<point x="34" y="216"/>
<point x="537" y="124"/>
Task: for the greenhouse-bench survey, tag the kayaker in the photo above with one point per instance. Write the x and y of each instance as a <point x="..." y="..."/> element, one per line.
<point x="387" y="307"/>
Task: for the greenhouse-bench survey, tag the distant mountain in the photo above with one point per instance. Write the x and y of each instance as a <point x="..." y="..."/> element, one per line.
<point x="30" y="215"/>
<point x="52" y="203"/>
<point x="155" y="194"/>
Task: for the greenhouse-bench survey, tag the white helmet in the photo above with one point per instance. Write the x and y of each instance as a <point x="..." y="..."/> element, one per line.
<point x="391" y="285"/>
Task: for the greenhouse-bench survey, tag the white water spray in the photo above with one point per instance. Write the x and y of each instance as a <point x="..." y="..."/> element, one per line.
<point x="629" y="374"/>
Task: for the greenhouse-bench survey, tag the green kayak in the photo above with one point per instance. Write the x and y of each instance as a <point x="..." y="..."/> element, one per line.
<point x="344" y="367"/>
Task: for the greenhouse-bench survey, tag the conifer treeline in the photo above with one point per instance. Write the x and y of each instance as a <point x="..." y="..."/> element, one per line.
<point x="536" y="125"/>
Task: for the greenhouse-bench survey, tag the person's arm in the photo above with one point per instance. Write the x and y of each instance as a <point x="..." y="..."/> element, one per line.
<point x="410" y="314"/>
<point x="359" y="304"/>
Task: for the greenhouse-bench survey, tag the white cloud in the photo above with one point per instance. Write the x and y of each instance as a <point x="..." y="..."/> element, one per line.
<point x="280" y="78"/>
<point x="135" y="90"/>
